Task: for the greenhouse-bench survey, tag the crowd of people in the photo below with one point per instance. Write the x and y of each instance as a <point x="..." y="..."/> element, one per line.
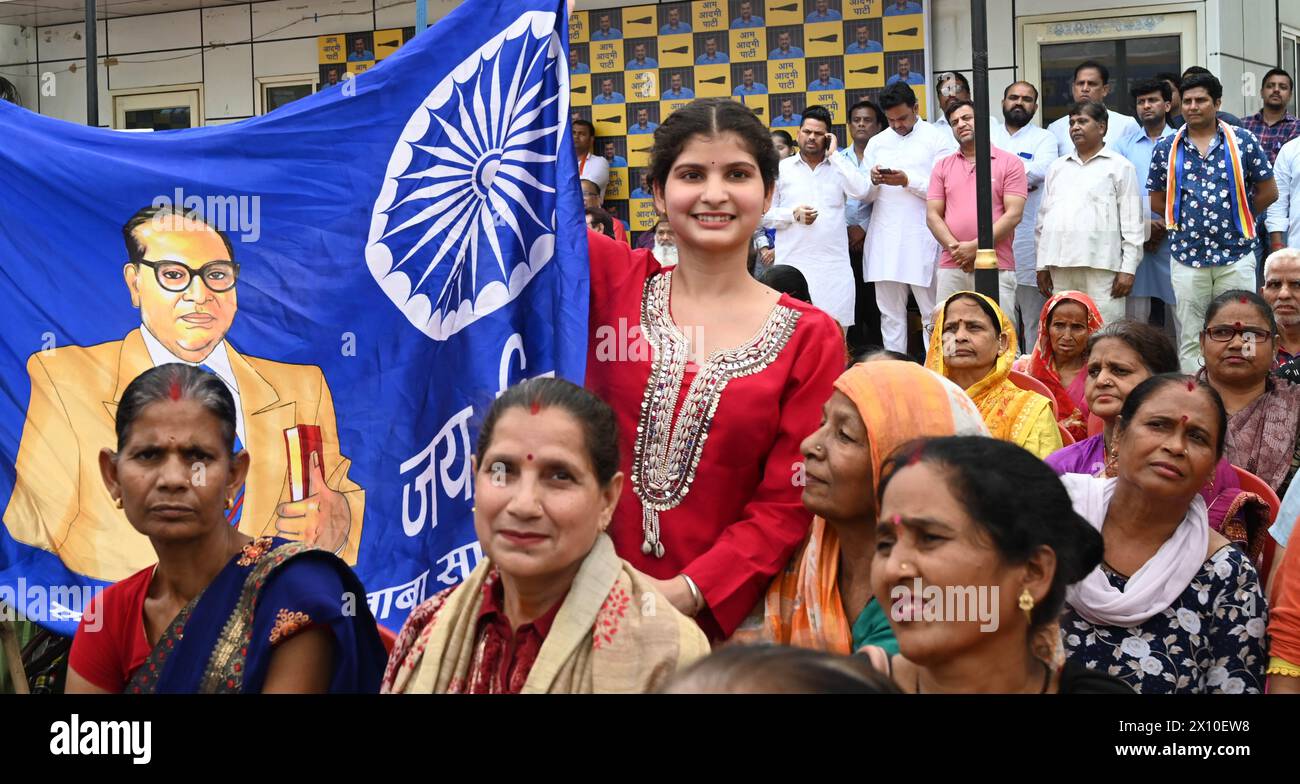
<point x="774" y="495"/>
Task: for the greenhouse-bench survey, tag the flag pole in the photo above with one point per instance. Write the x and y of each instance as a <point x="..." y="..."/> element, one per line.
<point x="421" y="15"/>
<point x="92" y="71"/>
<point x="986" y="259"/>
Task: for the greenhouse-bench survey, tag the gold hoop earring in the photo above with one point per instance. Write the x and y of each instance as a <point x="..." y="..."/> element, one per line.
<point x="1027" y="604"/>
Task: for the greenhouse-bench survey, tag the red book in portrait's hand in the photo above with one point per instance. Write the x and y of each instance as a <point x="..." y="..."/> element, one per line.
<point x="301" y="441"/>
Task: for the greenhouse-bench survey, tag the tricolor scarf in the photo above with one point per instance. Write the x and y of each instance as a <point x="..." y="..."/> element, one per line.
<point x="1237" y="190"/>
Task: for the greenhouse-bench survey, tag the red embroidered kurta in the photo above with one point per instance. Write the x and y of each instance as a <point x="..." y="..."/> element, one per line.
<point x="737" y="516"/>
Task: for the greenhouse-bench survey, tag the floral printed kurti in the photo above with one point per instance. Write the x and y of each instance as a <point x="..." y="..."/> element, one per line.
<point x="1210" y="640"/>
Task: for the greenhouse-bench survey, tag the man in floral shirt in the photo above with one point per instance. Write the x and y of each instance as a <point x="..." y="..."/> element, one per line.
<point x="1212" y="234"/>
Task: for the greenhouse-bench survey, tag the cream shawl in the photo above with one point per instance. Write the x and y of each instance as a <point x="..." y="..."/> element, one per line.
<point x="613" y="634"/>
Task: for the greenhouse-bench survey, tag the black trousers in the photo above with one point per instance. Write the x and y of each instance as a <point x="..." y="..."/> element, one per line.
<point x="865" y="333"/>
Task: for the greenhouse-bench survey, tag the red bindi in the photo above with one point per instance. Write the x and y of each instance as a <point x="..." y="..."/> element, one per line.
<point x="1243" y="300"/>
<point x="530" y="454"/>
<point x="534" y="408"/>
<point x="1184" y="419"/>
<point x="1191" y="385"/>
<point x="1236" y="324"/>
<point x="174" y="391"/>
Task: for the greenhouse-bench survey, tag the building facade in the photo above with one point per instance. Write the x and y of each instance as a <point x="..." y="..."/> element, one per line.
<point x="180" y="63"/>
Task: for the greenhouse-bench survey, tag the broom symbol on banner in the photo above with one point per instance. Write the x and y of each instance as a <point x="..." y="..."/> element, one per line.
<point x="908" y="31"/>
<point x="394" y="43"/>
<point x="714" y="80"/>
<point x="677" y="50"/>
<point x="791" y="7"/>
<point x="640" y="149"/>
<point x="870" y="69"/>
<point x="611" y="119"/>
<point x="759" y="110"/>
<point x="827" y="39"/>
<point x="642" y="20"/>
<point x="580" y="89"/>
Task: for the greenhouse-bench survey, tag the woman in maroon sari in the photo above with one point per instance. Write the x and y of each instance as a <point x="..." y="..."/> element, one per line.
<point x="1239" y="341"/>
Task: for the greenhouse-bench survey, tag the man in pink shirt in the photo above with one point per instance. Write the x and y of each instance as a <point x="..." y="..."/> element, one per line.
<point x="952" y="217"/>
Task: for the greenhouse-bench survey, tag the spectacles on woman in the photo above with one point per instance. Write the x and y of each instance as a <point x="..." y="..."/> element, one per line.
<point x="1225" y="333"/>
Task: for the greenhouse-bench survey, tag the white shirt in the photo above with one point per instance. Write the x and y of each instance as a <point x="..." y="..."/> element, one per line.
<point x="1083" y="205"/>
<point x="1281" y="215"/>
<point x="1037" y="150"/>
<point x="819" y="251"/>
<point x="1118" y="128"/>
<point x="595" y="169"/>
<point x="856" y="211"/>
<point x="218" y="360"/>
<point x="899" y="244"/>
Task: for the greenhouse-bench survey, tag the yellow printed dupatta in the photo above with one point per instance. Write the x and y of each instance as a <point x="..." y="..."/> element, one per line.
<point x="1012" y="414"/>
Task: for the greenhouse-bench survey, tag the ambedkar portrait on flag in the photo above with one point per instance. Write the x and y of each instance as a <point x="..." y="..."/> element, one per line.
<point x="182" y="276"/>
<point x="416" y="246"/>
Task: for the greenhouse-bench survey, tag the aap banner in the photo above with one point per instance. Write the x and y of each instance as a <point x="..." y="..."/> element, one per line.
<point x="379" y="261"/>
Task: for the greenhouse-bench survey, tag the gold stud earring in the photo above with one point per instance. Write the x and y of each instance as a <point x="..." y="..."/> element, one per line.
<point x="1027" y="604"/>
<point x="117" y="502"/>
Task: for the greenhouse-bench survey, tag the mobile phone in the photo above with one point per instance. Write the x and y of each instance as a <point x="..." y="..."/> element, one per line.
<point x="886" y="171"/>
<point x="826" y="142"/>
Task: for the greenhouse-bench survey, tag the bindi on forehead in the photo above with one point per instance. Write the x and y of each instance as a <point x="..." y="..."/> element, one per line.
<point x="174" y="391"/>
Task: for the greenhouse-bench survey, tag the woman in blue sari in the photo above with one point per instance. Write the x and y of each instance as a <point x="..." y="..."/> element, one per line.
<point x="220" y="611"/>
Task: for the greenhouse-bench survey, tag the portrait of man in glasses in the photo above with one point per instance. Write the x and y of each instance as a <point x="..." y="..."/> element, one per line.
<point x="183" y="278"/>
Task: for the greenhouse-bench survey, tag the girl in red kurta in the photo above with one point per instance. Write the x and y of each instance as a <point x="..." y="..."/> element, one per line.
<point x="715" y="378"/>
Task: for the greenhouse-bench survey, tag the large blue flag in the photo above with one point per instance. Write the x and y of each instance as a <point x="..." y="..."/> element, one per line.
<point x="402" y="247"/>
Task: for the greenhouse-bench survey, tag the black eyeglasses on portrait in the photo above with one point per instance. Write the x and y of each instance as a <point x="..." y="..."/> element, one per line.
<point x="219" y="276"/>
<point x="1224" y="333"/>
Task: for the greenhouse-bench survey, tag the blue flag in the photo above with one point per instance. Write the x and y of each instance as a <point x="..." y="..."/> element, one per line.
<point x="365" y="268"/>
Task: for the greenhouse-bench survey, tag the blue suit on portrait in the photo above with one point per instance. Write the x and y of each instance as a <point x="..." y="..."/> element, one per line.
<point x="909" y="7"/>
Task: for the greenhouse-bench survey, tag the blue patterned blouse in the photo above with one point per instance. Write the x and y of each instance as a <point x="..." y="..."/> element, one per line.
<point x="1209" y="641"/>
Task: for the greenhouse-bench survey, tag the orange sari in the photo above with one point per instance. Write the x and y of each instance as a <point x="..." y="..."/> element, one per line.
<point x="898" y="401"/>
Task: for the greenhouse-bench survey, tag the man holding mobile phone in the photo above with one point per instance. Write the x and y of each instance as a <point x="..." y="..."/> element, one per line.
<point x="808" y="215"/>
<point x="900" y="252"/>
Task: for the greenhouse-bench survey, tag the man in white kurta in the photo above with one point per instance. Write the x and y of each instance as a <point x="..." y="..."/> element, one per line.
<point x="900" y="252"/>
<point x="1037" y="149"/>
<point x="808" y="215"/>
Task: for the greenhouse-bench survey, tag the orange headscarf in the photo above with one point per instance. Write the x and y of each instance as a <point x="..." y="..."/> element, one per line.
<point x="898" y="401"/>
